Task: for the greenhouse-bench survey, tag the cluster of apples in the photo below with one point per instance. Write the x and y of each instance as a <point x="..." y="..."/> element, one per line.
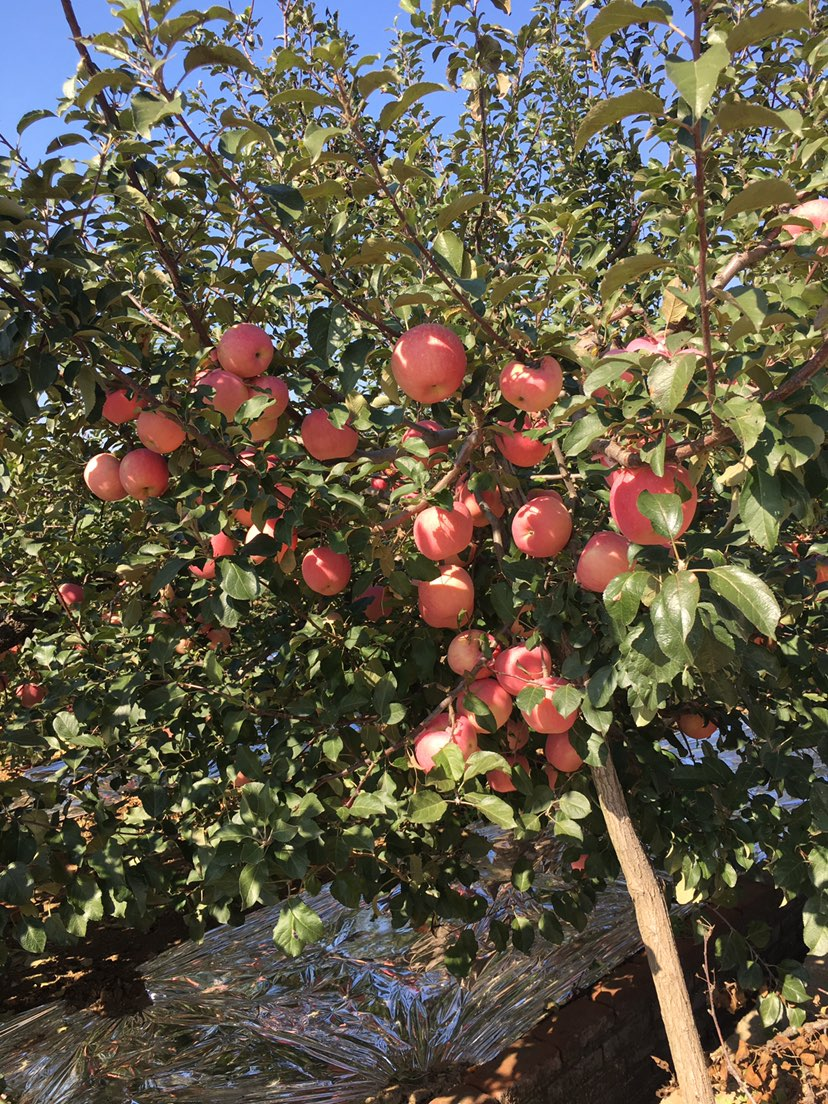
<point x="244" y="353"/>
<point x="496" y="677"/>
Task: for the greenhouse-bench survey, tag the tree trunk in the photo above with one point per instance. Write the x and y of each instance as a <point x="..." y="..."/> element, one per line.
<point x="656" y="931"/>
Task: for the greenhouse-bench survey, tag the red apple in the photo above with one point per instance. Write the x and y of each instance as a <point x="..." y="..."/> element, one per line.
<point x="325" y="571"/>
<point x="245" y="350"/>
<point x="229" y="392"/>
<point x="119" y="408"/>
<point x="517" y="734"/>
<point x="440" y="732"/>
<point x="429" y="363"/>
<point x="208" y="571"/>
<point x="492" y="694"/>
<point x="465" y="653"/>
<point x="144" y="474"/>
<point x="447" y="600"/>
<point x="531" y="388"/>
<point x="603" y="558"/>
<point x="440" y="533"/>
<point x="544" y="717"/>
<point x="814" y="211"/>
<point x="379" y="484"/>
<point x="263" y="428"/>
<point x="222" y="545"/>
<point x="270" y="531"/>
<point x="324" y="441"/>
<point x="542" y="527"/>
<point x="520" y="450"/>
<point x="159" y="433"/>
<point x="471" y="501"/>
<point x="378" y="606"/>
<point x="561" y="754"/>
<point x="516" y="667"/>
<point x="500" y="781"/>
<point x="632" y="482"/>
<point x="102" y="475"/>
<point x="436" y="453"/>
<point x="71" y="594"/>
<point x="695" y="726"/>
<point x="30" y="694"/>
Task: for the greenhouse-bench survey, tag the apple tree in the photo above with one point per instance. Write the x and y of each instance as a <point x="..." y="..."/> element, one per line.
<point x="394" y="444"/>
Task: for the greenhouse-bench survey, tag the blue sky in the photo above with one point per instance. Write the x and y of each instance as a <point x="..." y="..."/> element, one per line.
<point x="38" y="56"/>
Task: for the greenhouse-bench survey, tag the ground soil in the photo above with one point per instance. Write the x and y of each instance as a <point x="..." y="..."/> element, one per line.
<point x="103" y="974"/>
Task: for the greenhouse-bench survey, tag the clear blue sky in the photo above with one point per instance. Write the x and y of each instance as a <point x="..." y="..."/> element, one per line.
<point x="37" y="55"/>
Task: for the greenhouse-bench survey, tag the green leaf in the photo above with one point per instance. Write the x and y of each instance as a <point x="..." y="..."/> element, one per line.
<point x="575" y="805"/>
<point x="31" y="936"/>
<point x="218" y="55"/>
<point x="148" y="111"/>
<point x="761" y="506"/>
<point x="619" y="14"/>
<point x="740" y="115"/>
<point x="239" y="582"/>
<point x="315" y="138"/>
<point x="815" y="931"/>
<point x="66" y="727"/>
<point x="481" y="762"/>
<point x="523" y="874"/>
<point x="696" y="81"/>
<point x="668" y="381"/>
<point x="297" y="926"/>
<point x="778" y="19"/>
<point x="523" y="934"/>
<point x="673" y="613"/>
<point x="529" y="697"/>
<point x="395" y="110"/>
<point x="251" y="882"/>
<point x="770" y="1009"/>
<point x="460" y="206"/>
<point x="749" y="594"/>
<point x="493" y="808"/>
<point x="288" y="201"/>
<point x="611" y="111"/>
<point x="118" y="79"/>
<point x="16" y="884"/>
<point x="664" y="511"/>
<point x="449" y="248"/>
<point x="426" y="807"/>
<point x="629" y="270"/>
<point x="793" y="990"/>
<point x="582" y="434"/>
<point x="745" y="417"/>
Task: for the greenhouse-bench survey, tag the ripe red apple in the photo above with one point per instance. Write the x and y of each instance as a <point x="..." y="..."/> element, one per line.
<point x="270" y="531"/>
<point x="325" y="571"/>
<point x="218" y="638"/>
<point x="229" y="392"/>
<point x="447" y="600"/>
<point x="119" y="408"/>
<point x="222" y="545"/>
<point x="542" y="527"/>
<point x="500" y="781"/>
<point x="517" y="734"/>
<point x="695" y="726"/>
<point x="102" y="475"/>
<point x="531" y="388"/>
<point x="492" y="694"/>
<point x="30" y="694"/>
<point x="245" y="350"/>
<point x="603" y="558"/>
<point x="324" y="441"/>
<point x="544" y="717"/>
<point x="379" y="484"/>
<point x="263" y="428"/>
<point x="516" y="667"/>
<point x="440" y="533"/>
<point x="436" y="453"/>
<point x="465" y="653"/>
<point x="816" y="212"/>
<point x="379" y="605"/>
<point x="440" y="732"/>
<point x="471" y="501"/>
<point x="71" y="594"/>
<point x="561" y="754"/>
<point x="159" y="433"/>
<point x="821" y="572"/>
<point x="632" y="482"/>
<point x="429" y="363"/>
<point x="520" y="450"/>
<point x="144" y="474"/>
<point x="208" y="571"/>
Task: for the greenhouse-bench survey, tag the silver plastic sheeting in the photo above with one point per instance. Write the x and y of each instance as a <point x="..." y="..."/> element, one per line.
<point x="233" y="1021"/>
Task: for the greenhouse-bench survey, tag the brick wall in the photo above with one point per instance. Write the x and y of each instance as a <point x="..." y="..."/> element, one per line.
<point x="599" y="1048"/>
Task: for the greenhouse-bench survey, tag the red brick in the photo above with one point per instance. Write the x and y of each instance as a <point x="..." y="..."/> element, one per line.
<point x="525" y="1063"/>
<point x="575" y="1026"/>
<point x="628" y="990"/>
<point x="464" y="1094"/>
